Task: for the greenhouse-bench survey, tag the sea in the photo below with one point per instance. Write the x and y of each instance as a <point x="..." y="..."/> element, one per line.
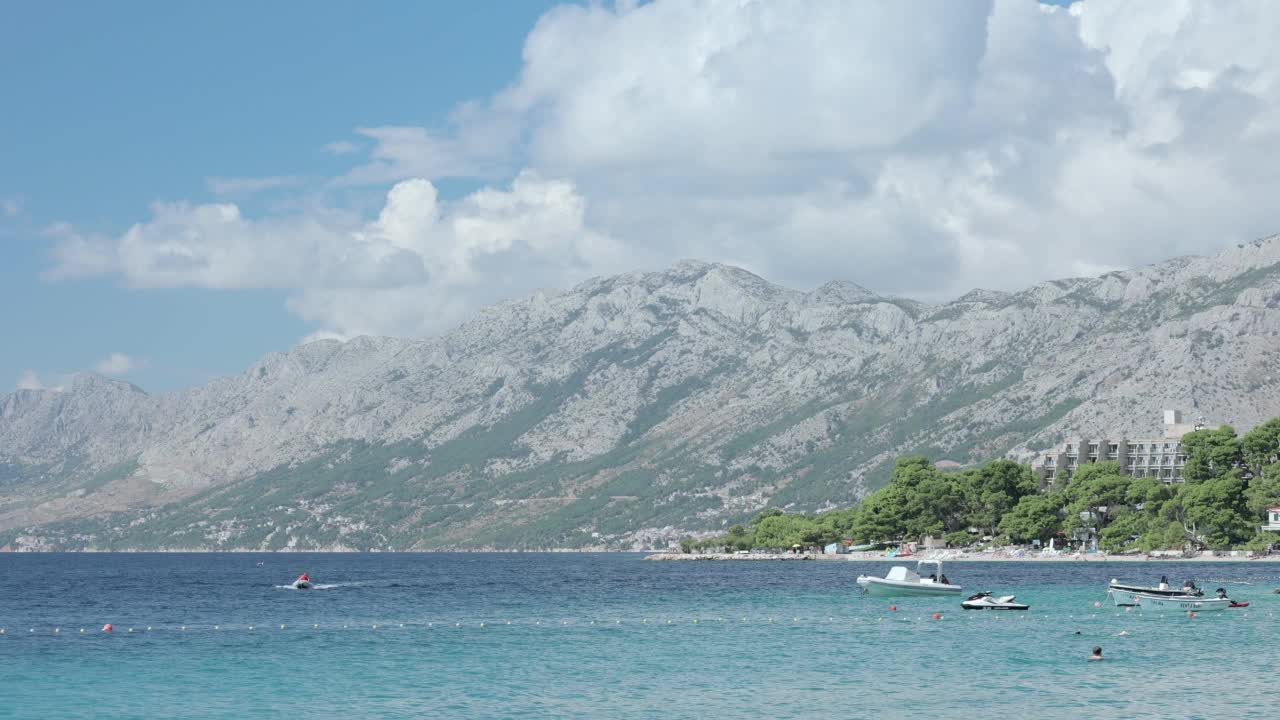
<point x="603" y="635"/>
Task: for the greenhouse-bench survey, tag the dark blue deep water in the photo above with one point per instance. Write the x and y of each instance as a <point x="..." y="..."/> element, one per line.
<point x="611" y="636"/>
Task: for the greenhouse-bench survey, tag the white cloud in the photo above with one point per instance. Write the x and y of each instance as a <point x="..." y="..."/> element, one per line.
<point x="340" y="147"/>
<point x="478" y="146"/>
<point x="12" y="206"/>
<point x="29" y="381"/>
<point x="249" y="185"/>
<point x="420" y="266"/>
<point x="116" y="364"/>
<point x="917" y="148"/>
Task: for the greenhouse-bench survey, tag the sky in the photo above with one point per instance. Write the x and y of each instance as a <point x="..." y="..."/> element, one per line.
<point x="185" y="188"/>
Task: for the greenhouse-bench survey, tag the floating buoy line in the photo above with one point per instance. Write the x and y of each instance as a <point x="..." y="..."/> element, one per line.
<point x="891" y="614"/>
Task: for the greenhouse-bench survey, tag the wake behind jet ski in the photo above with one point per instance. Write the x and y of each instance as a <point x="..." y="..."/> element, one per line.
<point x="985" y="601"/>
<point x="303" y="582"/>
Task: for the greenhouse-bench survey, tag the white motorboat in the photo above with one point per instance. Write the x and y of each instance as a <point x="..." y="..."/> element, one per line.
<point x="1121" y="593"/>
<point x="1179" y="603"/>
<point x="901" y="581"/>
<point x="985" y="601"/>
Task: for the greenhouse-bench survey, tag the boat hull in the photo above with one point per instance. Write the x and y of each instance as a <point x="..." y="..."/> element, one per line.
<point x="1188" y="603"/>
<point x="1167" y="591"/>
<point x="880" y="587"/>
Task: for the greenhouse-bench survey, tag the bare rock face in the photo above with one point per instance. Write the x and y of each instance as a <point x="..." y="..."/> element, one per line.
<point x="633" y="409"/>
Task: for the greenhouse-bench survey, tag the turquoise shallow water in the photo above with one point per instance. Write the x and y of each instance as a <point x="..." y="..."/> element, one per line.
<point x="611" y="636"/>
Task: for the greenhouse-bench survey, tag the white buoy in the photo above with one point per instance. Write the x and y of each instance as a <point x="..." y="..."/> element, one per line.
<point x="81" y="630"/>
<point x="402" y="626"/>
<point x="215" y="627"/>
<point x="57" y="630"/>
<point x="148" y="628"/>
<point x="375" y="627"/>
<point x="281" y="626"/>
<point x="184" y="627"/>
<point x="251" y="627"/>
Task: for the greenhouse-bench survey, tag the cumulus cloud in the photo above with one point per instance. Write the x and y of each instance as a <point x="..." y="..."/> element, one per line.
<point x="418" y="267"/>
<point x="249" y="185"/>
<point x="916" y="148"/>
<point x="29" y="380"/>
<point x="116" y="364"/>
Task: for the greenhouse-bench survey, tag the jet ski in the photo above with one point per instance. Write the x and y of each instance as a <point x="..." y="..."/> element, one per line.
<point x="985" y="601"/>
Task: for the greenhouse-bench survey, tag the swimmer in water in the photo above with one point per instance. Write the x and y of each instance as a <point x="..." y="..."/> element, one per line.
<point x="1097" y="654"/>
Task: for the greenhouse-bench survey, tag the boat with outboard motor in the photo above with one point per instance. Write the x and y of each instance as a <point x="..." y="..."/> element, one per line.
<point x="1121" y="593"/>
<point x="902" y="581"/>
<point x="986" y="601"/>
<point x="303" y="582"/>
<point x="1180" y="603"/>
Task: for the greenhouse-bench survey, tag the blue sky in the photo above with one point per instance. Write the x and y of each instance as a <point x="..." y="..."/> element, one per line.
<point x="111" y="107"/>
<point x="186" y="187"/>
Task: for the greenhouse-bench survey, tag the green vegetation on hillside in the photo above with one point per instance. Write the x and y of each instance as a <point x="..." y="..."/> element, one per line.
<point x="1230" y="481"/>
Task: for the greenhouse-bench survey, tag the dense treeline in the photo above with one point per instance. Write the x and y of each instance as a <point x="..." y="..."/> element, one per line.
<point x="1229" y="482"/>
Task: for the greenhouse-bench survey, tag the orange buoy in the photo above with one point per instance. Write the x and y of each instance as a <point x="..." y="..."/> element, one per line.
<point x="893" y="608"/>
<point x="108" y="627"/>
<point x="937" y="616"/>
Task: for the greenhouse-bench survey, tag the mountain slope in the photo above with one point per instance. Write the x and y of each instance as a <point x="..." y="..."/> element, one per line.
<point x="631" y="409"/>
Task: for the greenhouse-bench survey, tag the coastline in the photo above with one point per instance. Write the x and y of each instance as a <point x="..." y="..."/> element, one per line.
<point x="957" y="556"/>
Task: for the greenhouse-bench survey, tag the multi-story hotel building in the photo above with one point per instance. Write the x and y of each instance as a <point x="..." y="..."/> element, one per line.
<point x="1151" y="457"/>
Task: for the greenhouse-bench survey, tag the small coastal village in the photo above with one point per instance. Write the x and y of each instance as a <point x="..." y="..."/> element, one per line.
<point x="1194" y="491"/>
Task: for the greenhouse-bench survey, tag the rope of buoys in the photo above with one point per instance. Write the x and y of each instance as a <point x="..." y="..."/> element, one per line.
<point x="851" y="621"/>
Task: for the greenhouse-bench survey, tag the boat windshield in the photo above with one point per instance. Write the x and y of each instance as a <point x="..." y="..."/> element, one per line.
<point x="925" y="568"/>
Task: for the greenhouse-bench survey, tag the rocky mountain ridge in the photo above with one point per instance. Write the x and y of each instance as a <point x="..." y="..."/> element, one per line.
<point x="632" y="409"/>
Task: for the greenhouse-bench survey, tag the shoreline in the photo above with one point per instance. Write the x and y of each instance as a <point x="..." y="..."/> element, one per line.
<point x="956" y="556"/>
